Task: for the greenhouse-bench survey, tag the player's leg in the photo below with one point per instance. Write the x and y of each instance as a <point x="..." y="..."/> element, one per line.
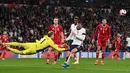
<point x="30" y="50"/>
<point x="12" y="44"/>
<point x="103" y="54"/>
<point x="75" y="56"/>
<point x="74" y="49"/>
<point x="66" y="64"/>
<point x="77" y="51"/>
<point x="98" y="50"/>
<point x="67" y="55"/>
<point x="48" y="55"/>
<point x="113" y="56"/>
<point x="55" y="56"/>
<point x="118" y="54"/>
<point x="3" y="54"/>
<point x="104" y="45"/>
<point x="126" y="51"/>
<point x="15" y="50"/>
<point x="59" y="53"/>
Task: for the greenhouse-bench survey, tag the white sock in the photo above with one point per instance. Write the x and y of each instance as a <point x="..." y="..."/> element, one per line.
<point x="77" y="57"/>
<point x="68" y="60"/>
<point x="124" y="55"/>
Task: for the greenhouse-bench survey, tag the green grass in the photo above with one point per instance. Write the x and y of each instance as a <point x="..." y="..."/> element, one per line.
<point x="85" y="66"/>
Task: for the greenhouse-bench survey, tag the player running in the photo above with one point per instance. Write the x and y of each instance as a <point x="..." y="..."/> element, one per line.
<point x="103" y="35"/>
<point x="78" y="38"/>
<point x="117" y="44"/>
<point x="34" y="47"/>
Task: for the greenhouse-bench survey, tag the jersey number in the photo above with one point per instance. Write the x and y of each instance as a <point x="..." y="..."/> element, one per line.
<point x="42" y="41"/>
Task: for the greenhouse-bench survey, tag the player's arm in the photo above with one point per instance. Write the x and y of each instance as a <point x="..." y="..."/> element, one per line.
<point x="95" y="34"/>
<point x="62" y="35"/>
<point x="49" y="29"/>
<point x="82" y="36"/>
<point x="55" y="46"/>
<point x="70" y="35"/>
<point x="113" y="41"/>
<point x="39" y="41"/>
<point x="109" y="32"/>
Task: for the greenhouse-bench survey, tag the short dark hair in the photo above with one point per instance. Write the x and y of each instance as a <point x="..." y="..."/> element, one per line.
<point x="76" y="17"/>
<point x="50" y="33"/>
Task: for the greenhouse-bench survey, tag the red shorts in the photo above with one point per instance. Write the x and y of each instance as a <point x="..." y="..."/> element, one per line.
<point x="117" y="48"/>
<point x="102" y="42"/>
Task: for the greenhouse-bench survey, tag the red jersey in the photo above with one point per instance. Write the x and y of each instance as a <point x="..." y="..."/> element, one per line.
<point x="117" y="42"/>
<point x="57" y="33"/>
<point x="102" y="32"/>
<point x="0" y="37"/>
<point x="4" y="40"/>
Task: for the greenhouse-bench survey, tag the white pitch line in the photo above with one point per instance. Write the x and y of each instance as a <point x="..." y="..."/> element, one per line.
<point x="107" y="69"/>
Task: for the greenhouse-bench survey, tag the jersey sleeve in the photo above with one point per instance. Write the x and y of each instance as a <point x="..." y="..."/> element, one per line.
<point x="61" y="29"/>
<point x="55" y="46"/>
<point x="69" y="37"/>
<point x="96" y="32"/>
<point x="50" y="29"/>
<point x="109" y="32"/>
<point x="113" y="41"/>
<point x="82" y="35"/>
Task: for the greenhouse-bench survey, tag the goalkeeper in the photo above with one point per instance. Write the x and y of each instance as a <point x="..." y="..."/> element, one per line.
<point x="34" y="47"/>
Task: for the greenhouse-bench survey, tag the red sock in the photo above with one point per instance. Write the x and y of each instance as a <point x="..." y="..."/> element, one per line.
<point x="4" y="53"/>
<point x="74" y="55"/>
<point x="48" y="55"/>
<point x="55" y="57"/>
<point x="103" y="55"/>
<point x="0" y="53"/>
<point x="114" y="55"/>
<point x="118" y="56"/>
<point x="59" y="53"/>
<point x="97" y="55"/>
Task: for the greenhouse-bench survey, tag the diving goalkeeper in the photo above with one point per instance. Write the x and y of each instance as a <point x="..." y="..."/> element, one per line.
<point x="39" y="45"/>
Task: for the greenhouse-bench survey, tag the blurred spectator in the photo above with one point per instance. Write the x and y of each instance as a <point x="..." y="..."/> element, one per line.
<point x="29" y="22"/>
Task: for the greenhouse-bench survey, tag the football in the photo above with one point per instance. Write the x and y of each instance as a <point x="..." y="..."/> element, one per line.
<point x="123" y="12"/>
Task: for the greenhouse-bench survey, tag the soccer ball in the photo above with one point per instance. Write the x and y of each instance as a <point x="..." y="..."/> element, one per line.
<point x="123" y="12"/>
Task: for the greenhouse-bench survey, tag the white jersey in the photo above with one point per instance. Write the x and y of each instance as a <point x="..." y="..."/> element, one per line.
<point x="79" y="37"/>
<point x="72" y="28"/>
<point x="128" y="40"/>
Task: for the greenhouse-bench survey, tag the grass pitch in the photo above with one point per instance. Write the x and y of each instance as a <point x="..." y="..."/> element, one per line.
<point x="86" y="66"/>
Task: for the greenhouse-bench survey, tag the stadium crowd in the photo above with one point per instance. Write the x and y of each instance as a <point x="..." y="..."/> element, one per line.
<point x="29" y="22"/>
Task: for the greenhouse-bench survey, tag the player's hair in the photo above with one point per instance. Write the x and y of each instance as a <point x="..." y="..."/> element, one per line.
<point x="76" y="17"/>
<point x="56" y="18"/>
<point x="50" y="33"/>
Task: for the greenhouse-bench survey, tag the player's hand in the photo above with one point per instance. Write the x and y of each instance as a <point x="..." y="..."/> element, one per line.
<point x="62" y="41"/>
<point x="108" y="41"/>
<point x="65" y="41"/>
<point x="93" y="41"/>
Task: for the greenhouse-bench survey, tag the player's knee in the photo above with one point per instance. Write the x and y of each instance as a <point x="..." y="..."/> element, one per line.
<point x="74" y="50"/>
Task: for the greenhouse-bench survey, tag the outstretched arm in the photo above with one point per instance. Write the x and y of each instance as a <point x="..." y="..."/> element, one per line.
<point x="55" y="46"/>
